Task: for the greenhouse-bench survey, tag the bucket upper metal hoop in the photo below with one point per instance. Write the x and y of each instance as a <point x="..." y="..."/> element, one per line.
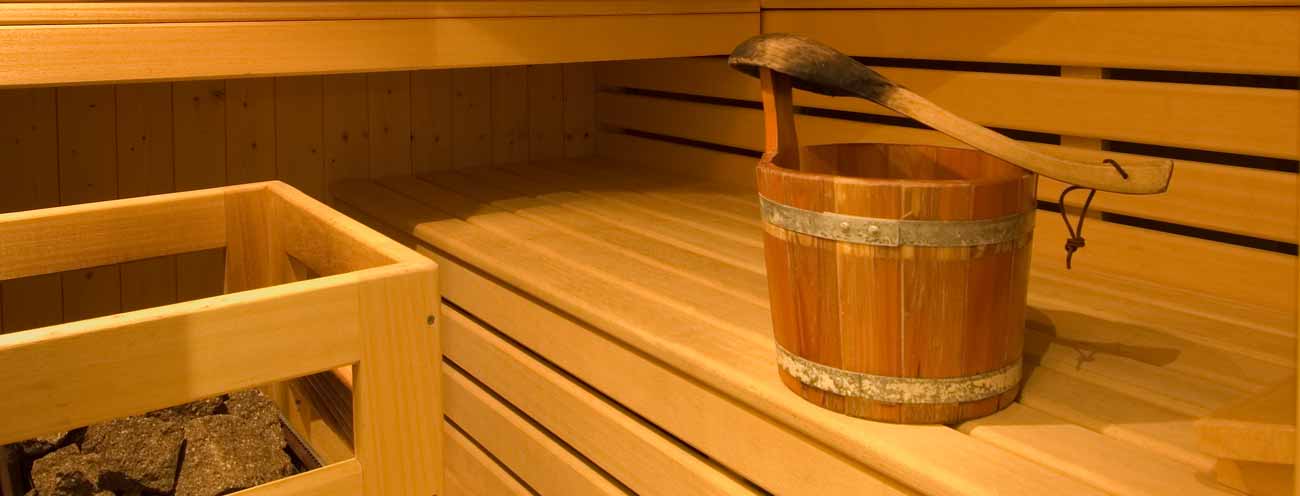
<point x="895" y="232"/>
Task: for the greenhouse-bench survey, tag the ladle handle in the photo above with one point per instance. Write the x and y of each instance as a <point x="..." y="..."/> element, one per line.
<point x="821" y="69"/>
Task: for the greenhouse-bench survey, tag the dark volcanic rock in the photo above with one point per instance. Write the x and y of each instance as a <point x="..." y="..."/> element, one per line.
<point x="255" y="407"/>
<point x="66" y="472"/>
<point x="136" y="453"/>
<point x="225" y="453"/>
<point x="189" y="411"/>
<point x="46" y="444"/>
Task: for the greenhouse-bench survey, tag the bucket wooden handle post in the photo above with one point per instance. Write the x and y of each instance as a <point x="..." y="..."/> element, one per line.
<point x="782" y="143"/>
<point x="815" y="67"/>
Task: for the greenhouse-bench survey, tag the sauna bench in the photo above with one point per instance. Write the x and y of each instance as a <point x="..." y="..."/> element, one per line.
<point x="58" y="43"/>
<point x="626" y="315"/>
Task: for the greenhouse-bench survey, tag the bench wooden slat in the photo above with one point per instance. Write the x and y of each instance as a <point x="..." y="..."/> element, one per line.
<point x="742" y="373"/>
<point x="1107" y="463"/>
<point x="727" y="437"/>
<point x="1114" y="414"/>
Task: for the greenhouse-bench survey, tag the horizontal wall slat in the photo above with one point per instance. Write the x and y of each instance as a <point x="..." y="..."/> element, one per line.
<point x="471" y="472"/>
<point x="1247" y="276"/>
<point x="1251" y="121"/>
<point x="66" y="376"/>
<point x="199" y="11"/>
<point x="1211" y="196"/>
<point x="1248" y="40"/>
<point x="1241" y="328"/>
<point x="39" y="242"/>
<point x="530" y="452"/>
<point x="602" y="431"/>
<point x="50" y="55"/>
<point x="943" y="4"/>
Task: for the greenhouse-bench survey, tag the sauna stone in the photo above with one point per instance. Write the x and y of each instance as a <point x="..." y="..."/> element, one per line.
<point x="137" y="453"/>
<point x="252" y="405"/>
<point x="189" y="411"/>
<point x="67" y="472"/>
<point x="46" y="444"/>
<point x="226" y="453"/>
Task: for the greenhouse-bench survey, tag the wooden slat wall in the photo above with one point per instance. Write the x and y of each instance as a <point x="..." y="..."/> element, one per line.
<point x="1230" y="211"/>
<point x="68" y="145"/>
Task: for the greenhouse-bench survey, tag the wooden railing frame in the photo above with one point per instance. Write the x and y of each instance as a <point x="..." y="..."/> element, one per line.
<point x="374" y="308"/>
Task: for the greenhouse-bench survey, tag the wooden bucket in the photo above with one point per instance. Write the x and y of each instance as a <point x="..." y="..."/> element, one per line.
<point x="897" y="276"/>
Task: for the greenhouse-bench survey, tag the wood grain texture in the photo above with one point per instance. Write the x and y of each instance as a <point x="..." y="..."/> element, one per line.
<point x="430" y="121"/>
<point x="206" y="11"/>
<point x="579" y="110"/>
<point x="562" y="283"/>
<point x="336" y="479"/>
<point x="1204" y="194"/>
<point x="145" y="166"/>
<point x="591" y="424"/>
<point x="472" y="472"/>
<point x="515" y="440"/>
<point x="199" y="116"/>
<point x="471" y="104"/>
<point x="390" y="123"/>
<point x="1105" y="463"/>
<point x="1255" y="121"/>
<point x="1250" y="41"/>
<point x="50" y="54"/>
<point x="346" y="127"/>
<point x="88" y="173"/>
<point x="946" y="4"/>
<point x="1270" y="289"/>
<point x="907" y="311"/>
<point x="1260" y="428"/>
<point x="510" y="117"/>
<point x="299" y="134"/>
<point x="545" y="112"/>
<point x="191" y="350"/>
<point x="250" y="130"/>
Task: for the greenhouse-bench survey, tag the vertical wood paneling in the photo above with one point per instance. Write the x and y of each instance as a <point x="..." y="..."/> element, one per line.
<point x="144" y="139"/>
<point x="29" y="168"/>
<point x="145" y="167"/>
<point x="250" y="130"/>
<point x="471" y="117"/>
<point x="579" y="110"/>
<point x="298" y="134"/>
<point x="545" y="112"/>
<point x="199" y="109"/>
<point x="88" y="173"/>
<point x="509" y="115"/>
<point x="346" y="127"/>
<point x="430" y="121"/>
<point x="390" y="123"/>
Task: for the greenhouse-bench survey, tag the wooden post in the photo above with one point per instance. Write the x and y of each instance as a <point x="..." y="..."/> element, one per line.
<point x="396" y="402"/>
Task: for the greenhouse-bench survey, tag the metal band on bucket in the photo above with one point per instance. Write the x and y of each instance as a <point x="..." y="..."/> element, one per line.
<point x="895" y="232"/>
<point x="904" y="390"/>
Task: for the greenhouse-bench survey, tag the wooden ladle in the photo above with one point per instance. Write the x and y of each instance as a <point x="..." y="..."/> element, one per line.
<point x="818" y="68"/>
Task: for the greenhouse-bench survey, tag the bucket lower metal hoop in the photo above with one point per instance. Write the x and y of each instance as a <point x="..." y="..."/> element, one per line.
<point x="899" y="390"/>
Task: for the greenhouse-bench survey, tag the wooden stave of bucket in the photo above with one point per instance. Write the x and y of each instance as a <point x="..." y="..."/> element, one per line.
<point x="826" y="183"/>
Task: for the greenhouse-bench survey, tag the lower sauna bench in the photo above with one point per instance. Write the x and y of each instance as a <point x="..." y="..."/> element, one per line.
<point x="607" y="332"/>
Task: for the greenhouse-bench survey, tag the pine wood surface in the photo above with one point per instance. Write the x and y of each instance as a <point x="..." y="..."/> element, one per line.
<point x="1123" y="394"/>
